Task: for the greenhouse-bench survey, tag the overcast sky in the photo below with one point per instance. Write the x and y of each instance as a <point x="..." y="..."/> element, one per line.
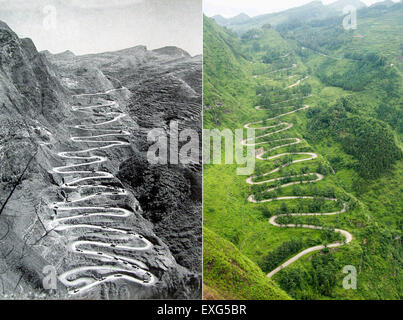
<point x="229" y="8"/>
<point x="91" y="26"/>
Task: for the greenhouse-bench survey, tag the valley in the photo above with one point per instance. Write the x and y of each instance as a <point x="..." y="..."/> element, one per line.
<point x="319" y="177"/>
<point x="69" y="210"/>
<point x="77" y="219"/>
<point x="306" y="212"/>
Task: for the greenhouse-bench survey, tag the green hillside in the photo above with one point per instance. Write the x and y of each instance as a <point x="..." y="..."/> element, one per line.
<point x="312" y="86"/>
<point x="230" y="275"/>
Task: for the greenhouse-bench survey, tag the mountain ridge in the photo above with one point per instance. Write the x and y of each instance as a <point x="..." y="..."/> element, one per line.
<point x="307" y="12"/>
<point x="44" y="120"/>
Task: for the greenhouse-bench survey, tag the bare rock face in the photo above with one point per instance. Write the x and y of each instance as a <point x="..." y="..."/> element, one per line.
<point x="75" y="222"/>
<point x="166" y="91"/>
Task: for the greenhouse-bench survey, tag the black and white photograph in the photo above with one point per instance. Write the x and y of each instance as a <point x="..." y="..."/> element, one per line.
<point x="200" y="159"/>
<point x="87" y="210"/>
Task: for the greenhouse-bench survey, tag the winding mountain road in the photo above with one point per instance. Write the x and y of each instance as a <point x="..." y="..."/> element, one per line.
<point x="298" y="82"/>
<point x="110" y="246"/>
<point x="283" y="126"/>
<point x="273" y="104"/>
<point x="278" y="70"/>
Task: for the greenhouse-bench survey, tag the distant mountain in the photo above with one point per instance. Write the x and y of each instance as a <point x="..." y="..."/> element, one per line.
<point x="85" y="32"/>
<point x="220" y="19"/>
<point x="386" y="3"/>
<point x="238" y="19"/>
<point x="172" y="52"/>
<point x="37" y="121"/>
<point x="314" y="10"/>
<point x="341" y="4"/>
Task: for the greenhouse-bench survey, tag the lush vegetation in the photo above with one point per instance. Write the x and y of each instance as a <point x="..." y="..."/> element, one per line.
<point x="232" y="275"/>
<point x="354" y="123"/>
<point x="369" y="140"/>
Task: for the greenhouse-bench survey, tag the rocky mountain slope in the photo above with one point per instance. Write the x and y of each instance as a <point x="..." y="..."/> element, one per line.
<point x="76" y="194"/>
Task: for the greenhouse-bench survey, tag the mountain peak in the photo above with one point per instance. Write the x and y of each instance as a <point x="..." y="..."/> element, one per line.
<point x="220" y="19"/>
<point x="65" y="55"/>
<point x="242" y="15"/>
<point x="4" y="25"/>
<point x="386" y="3"/>
<point x="218" y="16"/>
<point x="172" y="51"/>
<point x="341" y="4"/>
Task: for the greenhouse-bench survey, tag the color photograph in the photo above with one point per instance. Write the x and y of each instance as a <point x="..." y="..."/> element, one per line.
<point x="316" y="88"/>
<point x="201" y="159"/>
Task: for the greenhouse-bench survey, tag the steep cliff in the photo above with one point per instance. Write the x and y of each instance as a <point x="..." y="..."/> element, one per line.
<point x="68" y="130"/>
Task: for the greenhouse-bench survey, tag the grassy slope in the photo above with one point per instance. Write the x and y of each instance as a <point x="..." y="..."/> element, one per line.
<point x="228" y="213"/>
<point x="378" y="252"/>
<point x="224" y="82"/>
<point x="382" y="33"/>
<point x="230" y="275"/>
<point x="224" y="76"/>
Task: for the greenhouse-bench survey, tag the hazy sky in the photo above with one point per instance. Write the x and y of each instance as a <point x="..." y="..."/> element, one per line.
<point x="229" y="8"/>
<point x="90" y="26"/>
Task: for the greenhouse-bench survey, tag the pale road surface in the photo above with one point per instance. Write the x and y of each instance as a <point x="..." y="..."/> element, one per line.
<point x="270" y="72"/>
<point x="316" y="177"/>
<point x="298" y="82"/>
<point x="99" y="93"/>
<point x="69" y="212"/>
<point x="260" y="107"/>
